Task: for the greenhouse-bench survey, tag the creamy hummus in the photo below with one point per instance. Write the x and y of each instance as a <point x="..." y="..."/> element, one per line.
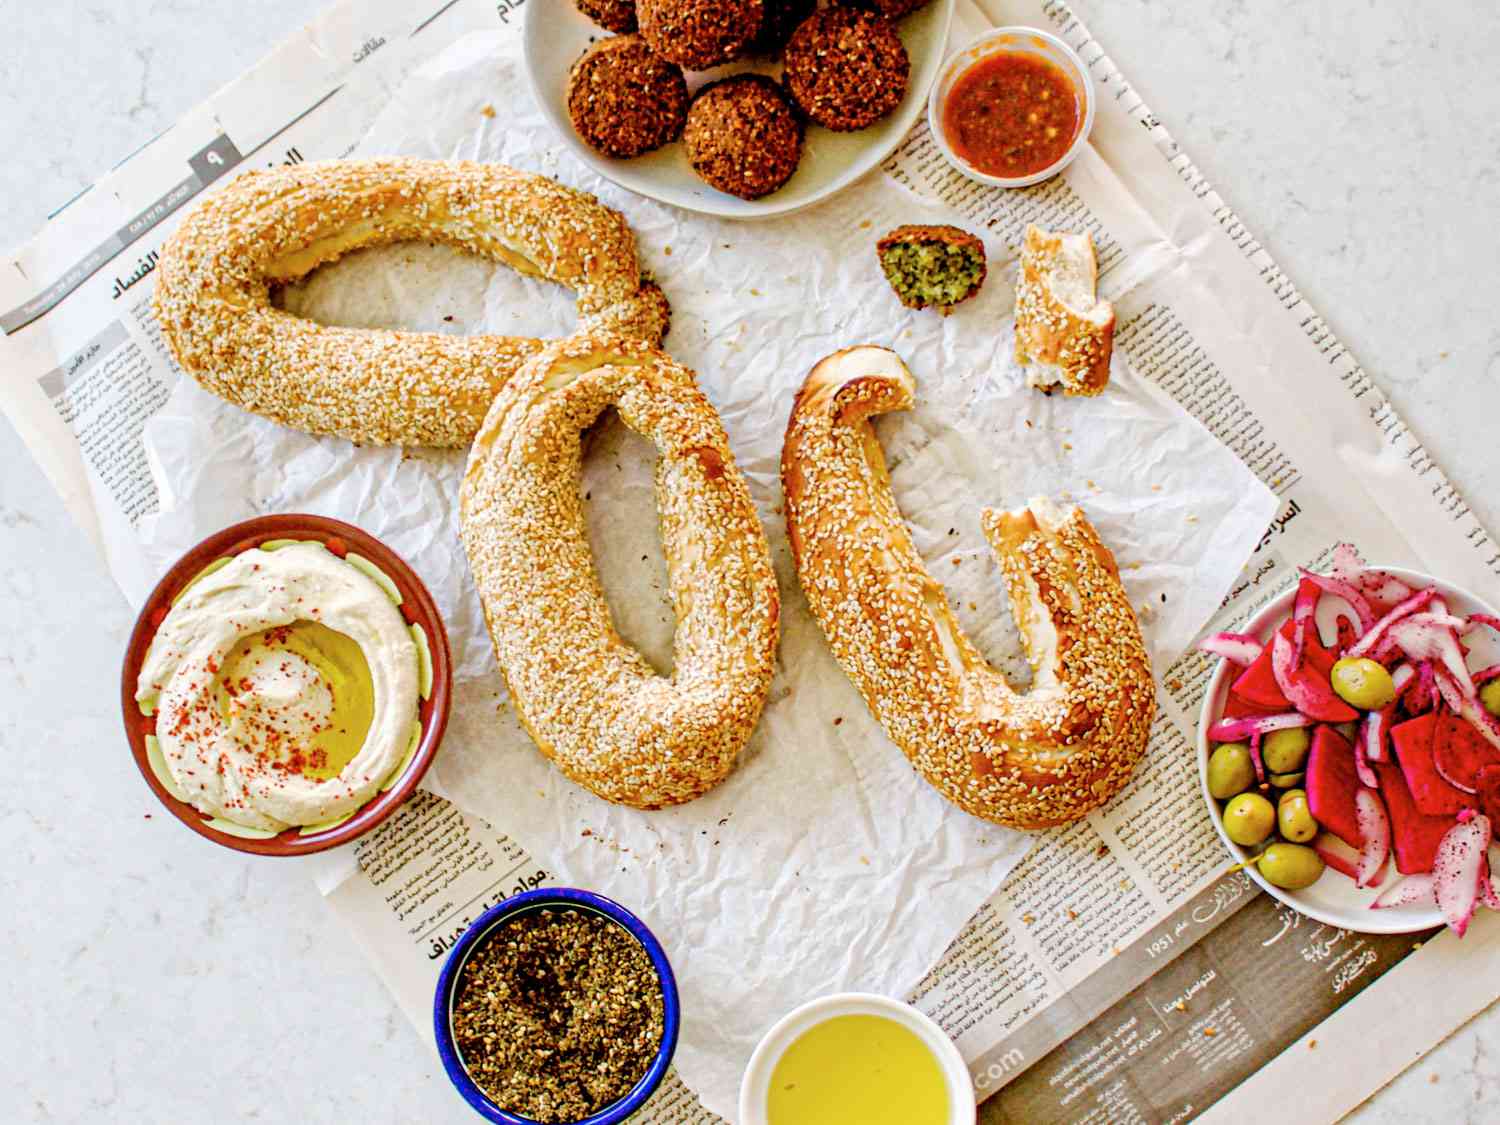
<point x="285" y="686"/>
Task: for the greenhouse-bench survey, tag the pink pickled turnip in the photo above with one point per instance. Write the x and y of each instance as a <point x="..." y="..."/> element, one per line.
<point x="1465" y="701"/>
<point x="1375" y="727"/>
<point x="1248" y="726"/>
<point x="1305" y="689"/>
<point x="1336" y="854"/>
<point x="1485" y="675"/>
<point x="1237" y="648"/>
<point x="1413" y="888"/>
<point x="1455" y="869"/>
<point x="1375" y="838"/>
<point x="1421" y="693"/>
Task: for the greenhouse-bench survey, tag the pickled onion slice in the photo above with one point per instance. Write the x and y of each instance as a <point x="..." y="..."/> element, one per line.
<point x="1247" y="726"/>
<point x="1456" y="868"/>
<point x="1374" y="836"/>
<point x="1345" y="590"/>
<point x="1413" y="888"/>
<point x="1237" y="648"/>
<point x="1375" y="635"/>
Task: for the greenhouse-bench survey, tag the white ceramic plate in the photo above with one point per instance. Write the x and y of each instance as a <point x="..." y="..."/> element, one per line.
<point x="1334" y="899"/>
<point x="557" y="33"/>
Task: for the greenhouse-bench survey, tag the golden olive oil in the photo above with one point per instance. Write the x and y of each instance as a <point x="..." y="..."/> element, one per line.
<point x="858" y="1070"/>
<point x="322" y="682"/>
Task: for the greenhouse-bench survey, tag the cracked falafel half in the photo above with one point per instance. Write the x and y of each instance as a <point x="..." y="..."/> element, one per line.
<point x="932" y="265"/>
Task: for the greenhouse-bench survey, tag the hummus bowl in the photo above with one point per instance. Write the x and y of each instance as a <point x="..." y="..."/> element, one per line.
<point x="263" y="708"/>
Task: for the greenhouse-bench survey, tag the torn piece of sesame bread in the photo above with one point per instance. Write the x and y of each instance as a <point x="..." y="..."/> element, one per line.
<point x="1064" y="333"/>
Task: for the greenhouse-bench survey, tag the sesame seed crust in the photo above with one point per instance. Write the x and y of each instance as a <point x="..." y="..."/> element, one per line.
<point x="1073" y="350"/>
<point x="624" y="100"/>
<point x="590" y="701"/>
<point x="1030" y="760"/>
<point x="846" y="68"/>
<point x="213" y="294"/>
<point x="698" y="34"/>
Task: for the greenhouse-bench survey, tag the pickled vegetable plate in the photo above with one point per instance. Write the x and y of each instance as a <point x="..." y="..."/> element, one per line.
<point x="1334" y="898"/>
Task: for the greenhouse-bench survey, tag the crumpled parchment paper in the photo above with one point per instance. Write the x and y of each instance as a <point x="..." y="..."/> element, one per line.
<point x="823" y="863"/>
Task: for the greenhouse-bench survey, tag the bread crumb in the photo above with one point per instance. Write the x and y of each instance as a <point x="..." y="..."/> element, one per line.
<point x="486" y="110"/>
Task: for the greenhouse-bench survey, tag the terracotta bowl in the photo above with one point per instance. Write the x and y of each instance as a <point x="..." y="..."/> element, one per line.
<point x="417" y="607"/>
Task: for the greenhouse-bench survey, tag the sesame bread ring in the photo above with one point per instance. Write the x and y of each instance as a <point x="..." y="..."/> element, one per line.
<point x="590" y="701"/>
<point x="214" y="282"/>
<point x="1029" y="760"/>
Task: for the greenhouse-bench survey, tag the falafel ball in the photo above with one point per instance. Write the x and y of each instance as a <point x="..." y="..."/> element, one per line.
<point x="614" y="15"/>
<point x="846" y="68"/>
<point x="698" y="34"/>
<point x="781" y="19"/>
<point x="890" y="9"/>
<point x="743" y="136"/>
<point x="624" y="99"/>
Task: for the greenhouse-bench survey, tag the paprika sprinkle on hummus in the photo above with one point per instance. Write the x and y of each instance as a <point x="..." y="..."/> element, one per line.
<point x="1012" y="114"/>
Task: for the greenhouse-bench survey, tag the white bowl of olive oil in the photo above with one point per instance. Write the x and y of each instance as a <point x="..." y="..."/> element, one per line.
<point x="855" y="1056"/>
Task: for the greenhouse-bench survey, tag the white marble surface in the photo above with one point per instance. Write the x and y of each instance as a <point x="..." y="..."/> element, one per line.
<point x="152" y="977"/>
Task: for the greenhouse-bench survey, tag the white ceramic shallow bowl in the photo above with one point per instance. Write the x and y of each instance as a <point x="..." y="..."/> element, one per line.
<point x="1334" y="899"/>
<point x="557" y="33"/>
<point x="768" y="1053"/>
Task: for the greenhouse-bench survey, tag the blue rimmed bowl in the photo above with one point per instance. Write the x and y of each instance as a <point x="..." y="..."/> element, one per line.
<point x="493" y="922"/>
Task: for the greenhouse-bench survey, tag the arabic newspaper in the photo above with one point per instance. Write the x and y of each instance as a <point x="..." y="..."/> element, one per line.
<point x="1121" y="973"/>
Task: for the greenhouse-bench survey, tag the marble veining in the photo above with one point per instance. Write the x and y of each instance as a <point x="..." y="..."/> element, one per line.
<point x="153" y="977"/>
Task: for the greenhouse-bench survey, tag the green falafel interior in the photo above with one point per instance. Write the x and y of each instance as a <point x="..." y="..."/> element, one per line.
<point x="932" y="265"/>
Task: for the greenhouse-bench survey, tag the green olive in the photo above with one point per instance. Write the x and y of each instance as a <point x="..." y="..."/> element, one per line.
<point x="1285" y="750"/>
<point x="1290" y="866"/>
<point x="1489" y="695"/>
<point x="1286" y="780"/>
<point x="1248" y="819"/>
<point x="1294" y="819"/>
<point x="1361" y="682"/>
<point x="1230" y="770"/>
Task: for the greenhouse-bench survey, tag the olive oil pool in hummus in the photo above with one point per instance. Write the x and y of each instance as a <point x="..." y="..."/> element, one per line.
<point x="860" y="1069"/>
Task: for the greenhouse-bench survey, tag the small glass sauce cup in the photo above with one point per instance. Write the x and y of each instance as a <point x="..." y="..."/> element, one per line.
<point x="1012" y="40"/>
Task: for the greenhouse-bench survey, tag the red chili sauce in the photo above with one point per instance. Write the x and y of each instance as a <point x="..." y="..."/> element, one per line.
<point x="1011" y="114"/>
